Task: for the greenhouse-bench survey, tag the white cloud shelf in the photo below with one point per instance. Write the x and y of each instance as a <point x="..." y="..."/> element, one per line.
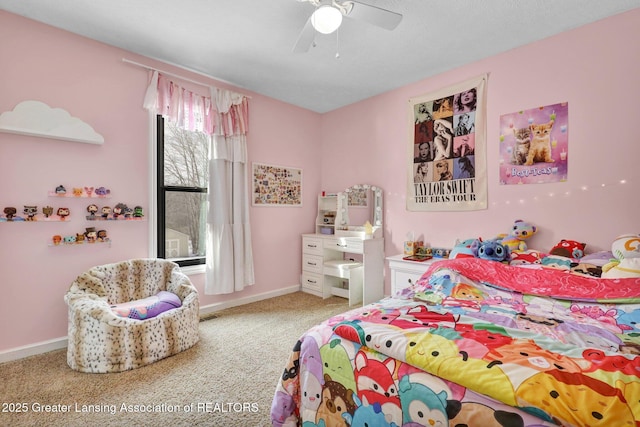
<point x="35" y="118"/>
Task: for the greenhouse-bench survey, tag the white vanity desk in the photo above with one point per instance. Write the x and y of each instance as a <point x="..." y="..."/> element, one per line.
<point x="327" y="268"/>
<point x="324" y="268"/>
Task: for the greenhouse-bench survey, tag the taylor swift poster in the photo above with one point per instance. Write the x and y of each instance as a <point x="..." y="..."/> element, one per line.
<point x="447" y="145"/>
<point x="534" y="145"/>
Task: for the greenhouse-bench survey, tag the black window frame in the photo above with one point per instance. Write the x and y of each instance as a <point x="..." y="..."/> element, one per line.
<point x="162" y="189"/>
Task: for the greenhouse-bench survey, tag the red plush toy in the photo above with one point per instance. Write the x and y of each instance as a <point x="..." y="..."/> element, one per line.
<point x="569" y="249"/>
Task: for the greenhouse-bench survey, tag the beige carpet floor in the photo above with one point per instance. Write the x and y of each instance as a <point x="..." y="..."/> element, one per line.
<point x="227" y="379"/>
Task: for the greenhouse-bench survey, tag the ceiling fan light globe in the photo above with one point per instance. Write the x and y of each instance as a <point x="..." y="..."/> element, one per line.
<point x="326" y="19"/>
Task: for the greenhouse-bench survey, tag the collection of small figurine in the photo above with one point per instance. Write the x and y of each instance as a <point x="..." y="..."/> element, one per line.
<point x="31" y="214"/>
<point x="81" y="192"/>
<point x="91" y="235"/>
<point x="119" y="212"/>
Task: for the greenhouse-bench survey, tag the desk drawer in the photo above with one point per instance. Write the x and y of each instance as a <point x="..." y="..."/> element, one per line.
<point x="312" y="263"/>
<point x="312" y="245"/>
<point x="355" y="246"/>
<point x="312" y="281"/>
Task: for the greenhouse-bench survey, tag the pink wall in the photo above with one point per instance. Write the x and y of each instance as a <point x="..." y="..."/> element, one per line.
<point x="591" y="68"/>
<point x="89" y="80"/>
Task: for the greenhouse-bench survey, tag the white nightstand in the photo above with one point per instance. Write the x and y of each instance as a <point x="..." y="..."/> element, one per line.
<point x="405" y="273"/>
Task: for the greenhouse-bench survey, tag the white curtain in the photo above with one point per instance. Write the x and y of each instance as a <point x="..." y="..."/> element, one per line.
<point x="229" y="251"/>
<point x="224" y="116"/>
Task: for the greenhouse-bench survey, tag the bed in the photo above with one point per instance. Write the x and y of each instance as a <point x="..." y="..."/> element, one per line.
<point x="477" y="343"/>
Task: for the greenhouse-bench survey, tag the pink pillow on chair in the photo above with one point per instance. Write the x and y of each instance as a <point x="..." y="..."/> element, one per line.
<point x="147" y="308"/>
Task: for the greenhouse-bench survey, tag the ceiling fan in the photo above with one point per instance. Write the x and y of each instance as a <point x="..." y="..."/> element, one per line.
<point x="328" y="17"/>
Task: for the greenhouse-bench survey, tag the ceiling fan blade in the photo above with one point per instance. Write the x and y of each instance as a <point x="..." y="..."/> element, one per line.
<point x="374" y="15"/>
<point x="305" y="39"/>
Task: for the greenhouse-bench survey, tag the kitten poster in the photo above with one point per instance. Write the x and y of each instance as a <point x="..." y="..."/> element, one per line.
<point x="534" y="145"/>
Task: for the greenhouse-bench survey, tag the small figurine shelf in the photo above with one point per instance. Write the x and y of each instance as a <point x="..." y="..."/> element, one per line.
<point x="89" y="236"/>
<point x="62" y="243"/>
<point x="77" y="192"/>
<point x="30" y="214"/>
<point x="110" y="218"/>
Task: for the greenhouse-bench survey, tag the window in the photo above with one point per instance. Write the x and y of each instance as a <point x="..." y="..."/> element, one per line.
<point x="183" y="163"/>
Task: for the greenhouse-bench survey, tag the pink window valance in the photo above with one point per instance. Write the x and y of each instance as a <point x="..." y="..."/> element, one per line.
<point x="233" y="116"/>
<point x="228" y="115"/>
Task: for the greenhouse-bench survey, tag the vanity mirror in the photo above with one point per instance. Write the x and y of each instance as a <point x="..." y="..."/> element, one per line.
<point x="358" y="205"/>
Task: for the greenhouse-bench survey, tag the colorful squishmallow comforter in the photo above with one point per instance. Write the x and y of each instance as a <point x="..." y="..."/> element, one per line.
<point x="475" y="343"/>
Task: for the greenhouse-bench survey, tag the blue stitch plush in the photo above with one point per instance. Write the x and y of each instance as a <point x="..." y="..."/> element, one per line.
<point x="493" y="250"/>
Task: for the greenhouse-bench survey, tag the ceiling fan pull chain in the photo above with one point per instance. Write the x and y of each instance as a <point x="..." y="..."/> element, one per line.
<point x="338" y="43"/>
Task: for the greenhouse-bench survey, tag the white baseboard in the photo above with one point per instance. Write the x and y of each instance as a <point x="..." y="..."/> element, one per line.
<point x="212" y="308"/>
<point x="32" y="349"/>
<point x="60" y="343"/>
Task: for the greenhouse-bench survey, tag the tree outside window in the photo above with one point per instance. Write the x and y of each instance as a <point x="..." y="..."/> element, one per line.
<point x="183" y="175"/>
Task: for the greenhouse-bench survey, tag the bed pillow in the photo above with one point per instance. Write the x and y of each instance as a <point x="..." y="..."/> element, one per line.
<point x="147" y="308"/>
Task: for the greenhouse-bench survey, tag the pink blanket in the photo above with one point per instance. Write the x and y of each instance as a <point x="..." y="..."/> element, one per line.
<point x="545" y="282"/>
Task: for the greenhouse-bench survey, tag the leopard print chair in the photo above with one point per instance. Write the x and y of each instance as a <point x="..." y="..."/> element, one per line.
<point x="100" y="341"/>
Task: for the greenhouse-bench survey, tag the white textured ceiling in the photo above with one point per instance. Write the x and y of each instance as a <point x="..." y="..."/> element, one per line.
<point x="248" y="43"/>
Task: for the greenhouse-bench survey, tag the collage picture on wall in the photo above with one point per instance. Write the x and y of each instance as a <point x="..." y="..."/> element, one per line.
<point x="358" y="197"/>
<point x="276" y="185"/>
<point x="534" y="145"/>
<point x="447" y="149"/>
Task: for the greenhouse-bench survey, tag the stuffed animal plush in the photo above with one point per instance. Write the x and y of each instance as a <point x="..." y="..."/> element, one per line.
<point x="586" y="269"/>
<point x="626" y="246"/>
<point x="626" y="249"/>
<point x="528" y="257"/>
<point x="556" y="261"/>
<point x="493" y="250"/>
<point x="569" y="249"/>
<point x="464" y="249"/>
<point x="628" y="267"/>
<point x="520" y="232"/>
<point x="599" y="258"/>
